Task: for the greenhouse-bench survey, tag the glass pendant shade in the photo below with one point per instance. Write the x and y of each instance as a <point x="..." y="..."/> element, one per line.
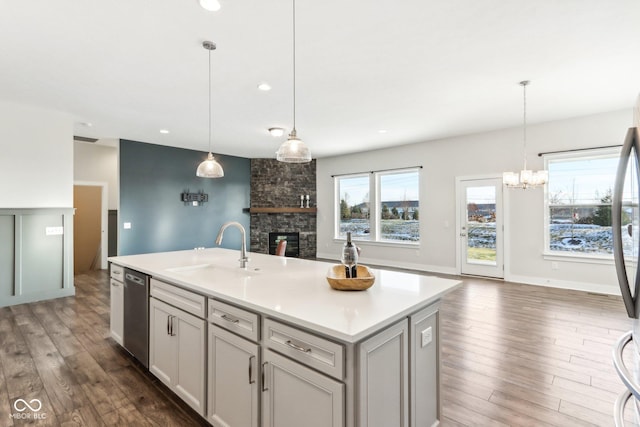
<point x="210" y="168"/>
<point x="293" y="150"/>
<point x="210" y="5"/>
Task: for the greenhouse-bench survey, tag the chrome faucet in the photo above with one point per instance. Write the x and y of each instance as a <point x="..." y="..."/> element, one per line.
<point x="244" y="260"/>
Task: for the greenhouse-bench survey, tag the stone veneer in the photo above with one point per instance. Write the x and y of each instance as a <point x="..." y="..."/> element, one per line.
<point x="279" y="185"/>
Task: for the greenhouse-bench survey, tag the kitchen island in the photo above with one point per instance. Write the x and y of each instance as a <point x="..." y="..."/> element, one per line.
<point x="274" y="345"/>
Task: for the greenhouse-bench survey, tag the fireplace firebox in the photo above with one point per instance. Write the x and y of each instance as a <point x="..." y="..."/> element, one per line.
<point x="293" y="243"/>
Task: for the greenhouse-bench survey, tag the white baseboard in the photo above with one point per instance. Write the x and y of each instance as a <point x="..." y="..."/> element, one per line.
<point x="396" y="264"/>
<point x="598" y="288"/>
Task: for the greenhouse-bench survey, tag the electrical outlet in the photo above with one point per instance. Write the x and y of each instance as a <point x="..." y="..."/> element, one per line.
<point x="127" y="225"/>
<point x="54" y="231"/>
<point x="427" y="336"/>
<point x="554" y="265"/>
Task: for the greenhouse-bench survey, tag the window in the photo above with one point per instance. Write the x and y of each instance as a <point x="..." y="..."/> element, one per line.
<point x="353" y="200"/>
<point x="579" y="196"/>
<point x="391" y="215"/>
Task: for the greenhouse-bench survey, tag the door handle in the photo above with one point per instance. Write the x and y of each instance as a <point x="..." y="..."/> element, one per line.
<point x="263" y="377"/>
<point x="170" y="331"/>
<point x="251" y="380"/>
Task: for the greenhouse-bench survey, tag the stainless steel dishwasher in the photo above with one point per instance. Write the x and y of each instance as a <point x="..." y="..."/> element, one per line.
<point x="136" y="315"/>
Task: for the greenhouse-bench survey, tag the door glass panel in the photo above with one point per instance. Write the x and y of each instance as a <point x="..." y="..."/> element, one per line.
<point x="481" y="225"/>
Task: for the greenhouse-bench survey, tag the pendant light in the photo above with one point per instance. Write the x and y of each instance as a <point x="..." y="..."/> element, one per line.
<point x="209" y="168"/>
<point x="294" y="150"/>
<point x="526" y="178"/>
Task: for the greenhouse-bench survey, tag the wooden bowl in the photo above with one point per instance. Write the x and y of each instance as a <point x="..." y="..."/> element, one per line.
<point x="336" y="276"/>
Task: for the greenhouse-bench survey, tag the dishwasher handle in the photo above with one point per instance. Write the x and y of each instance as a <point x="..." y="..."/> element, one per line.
<point x="135" y="279"/>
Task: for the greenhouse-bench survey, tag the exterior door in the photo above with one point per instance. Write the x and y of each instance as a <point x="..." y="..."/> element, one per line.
<point x="481" y="227"/>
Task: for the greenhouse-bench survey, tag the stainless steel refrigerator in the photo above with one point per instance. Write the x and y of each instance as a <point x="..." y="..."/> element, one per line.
<point x="625" y="220"/>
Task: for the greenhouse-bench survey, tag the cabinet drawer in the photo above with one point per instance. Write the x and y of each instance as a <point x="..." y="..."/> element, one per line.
<point x="242" y="322"/>
<point x="309" y="349"/>
<point x="117" y="272"/>
<point x="185" y="300"/>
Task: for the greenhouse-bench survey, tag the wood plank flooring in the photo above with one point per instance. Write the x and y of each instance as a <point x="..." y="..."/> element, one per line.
<point x="524" y="355"/>
<point x="512" y="354"/>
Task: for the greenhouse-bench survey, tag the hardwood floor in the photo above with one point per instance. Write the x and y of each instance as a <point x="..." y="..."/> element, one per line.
<point x="529" y="356"/>
<point x="512" y="354"/>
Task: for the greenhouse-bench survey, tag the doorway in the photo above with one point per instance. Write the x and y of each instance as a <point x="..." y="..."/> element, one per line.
<point x="89" y="227"/>
<point x="480" y="226"/>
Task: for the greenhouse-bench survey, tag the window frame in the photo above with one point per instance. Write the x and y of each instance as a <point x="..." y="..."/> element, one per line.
<point x="552" y="255"/>
<point x="375" y="189"/>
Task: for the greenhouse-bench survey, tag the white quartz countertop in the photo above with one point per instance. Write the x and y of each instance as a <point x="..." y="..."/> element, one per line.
<point x="294" y="290"/>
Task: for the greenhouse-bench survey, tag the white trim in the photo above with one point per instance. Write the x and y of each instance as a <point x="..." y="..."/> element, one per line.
<point x="573" y="257"/>
<point x="565" y="284"/>
<point x="396" y="264"/>
<point x="391" y="244"/>
<point x="104" y="218"/>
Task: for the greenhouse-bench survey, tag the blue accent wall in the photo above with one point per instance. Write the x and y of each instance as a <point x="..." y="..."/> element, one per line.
<point x="152" y="178"/>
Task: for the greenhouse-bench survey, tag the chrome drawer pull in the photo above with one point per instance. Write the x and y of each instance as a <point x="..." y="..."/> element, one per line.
<point x="298" y="347"/>
<point x="230" y="319"/>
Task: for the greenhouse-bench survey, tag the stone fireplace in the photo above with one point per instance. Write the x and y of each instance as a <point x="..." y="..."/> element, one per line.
<point x="276" y="188"/>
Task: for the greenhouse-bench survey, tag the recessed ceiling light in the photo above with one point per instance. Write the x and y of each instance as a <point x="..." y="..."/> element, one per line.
<point x="264" y="87"/>
<point x="382" y="131"/>
<point x="276" y="132"/>
<point x="165" y="131"/>
<point x="210" y="5"/>
<point x="87" y="124"/>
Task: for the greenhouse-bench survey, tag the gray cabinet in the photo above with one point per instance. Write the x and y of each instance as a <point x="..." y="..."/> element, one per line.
<point x="36" y="254"/>
<point x="294" y="395"/>
<point x="116" y="319"/>
<point x="233" y="380"/>
<point x="424" y="367"/>
<point x="383" y="375"/>
<point x="177" y="352"/>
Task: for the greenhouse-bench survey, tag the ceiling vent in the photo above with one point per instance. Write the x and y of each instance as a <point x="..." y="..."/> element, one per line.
<point x="84" y="139"/>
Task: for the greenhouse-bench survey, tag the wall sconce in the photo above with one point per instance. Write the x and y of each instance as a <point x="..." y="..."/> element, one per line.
<point x="194" y="199"/>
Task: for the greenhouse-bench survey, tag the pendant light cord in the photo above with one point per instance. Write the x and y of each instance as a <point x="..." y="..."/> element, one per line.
<point x="524" y="121"/>
<point x="209" y="101"/>
<point x="294" y="65"/>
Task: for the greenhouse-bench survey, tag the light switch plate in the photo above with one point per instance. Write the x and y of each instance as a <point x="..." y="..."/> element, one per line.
<point x="427" y="336"/>
<point x="127" y="225"/>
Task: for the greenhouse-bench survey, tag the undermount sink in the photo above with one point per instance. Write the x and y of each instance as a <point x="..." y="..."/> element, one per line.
<point x="190" y="270"/>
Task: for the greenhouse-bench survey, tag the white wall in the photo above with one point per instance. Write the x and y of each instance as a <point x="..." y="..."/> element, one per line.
<point x="97" y="163"/>
<point x="36" y="157"/>
<point x="478" y="154"/>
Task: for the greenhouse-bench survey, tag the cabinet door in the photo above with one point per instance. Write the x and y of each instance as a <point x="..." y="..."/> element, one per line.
<point x="117" y="311"/>
<point x="294" y="395"/>
<point x="163" y="349"/>
<point x="383" y="378"/>
<point x="233" y="380"/>
<point x="189" y="332"/>
<point x="425" y="361"/>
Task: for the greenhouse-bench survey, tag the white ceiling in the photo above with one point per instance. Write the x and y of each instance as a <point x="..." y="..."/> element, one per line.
<point x="421" y="69"/>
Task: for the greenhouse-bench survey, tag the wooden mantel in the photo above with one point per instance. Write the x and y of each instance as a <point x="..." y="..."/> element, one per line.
<point x="283" y="210"/>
